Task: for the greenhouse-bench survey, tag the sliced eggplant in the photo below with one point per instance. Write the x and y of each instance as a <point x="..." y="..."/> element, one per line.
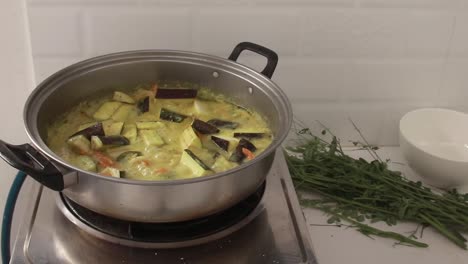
<point x="130" y="131"/>
<point x="150" y="137"/>
<point x="171" y="116"/>
<point x="106" y="110"/>
<point x="96" y="143"/>
<point x="86" y="125"/>
<point x="128" y="155"/>
<point x="190" y="160"/>
<point x="123" y="97"/>
<point x="223" y="124"/>
<point x="176" y="93"/>
<point x="143" y="105"/>
<point x="249" y="135"/>
<point x="122" y="113"/>
<point x="241" y="108"/>
<point x="244" y="143"/>
<point x="115" y="140"/>
<point x="94" y="130"/>
<point x="80" y="144"/>
<point x="238" y="155"/>
<point x="205" y="155"/>
<point x="204" y="128"/>
<point x="112" y="128"/>
<point x="222" y="143"/>
<point x="147" y="124"/>
<point x="188" y="138"/>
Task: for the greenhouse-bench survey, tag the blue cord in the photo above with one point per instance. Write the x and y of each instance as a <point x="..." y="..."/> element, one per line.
<point x="8" y="215"/>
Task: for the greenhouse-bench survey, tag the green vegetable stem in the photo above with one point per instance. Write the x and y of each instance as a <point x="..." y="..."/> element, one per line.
<point x="355" y="190"/>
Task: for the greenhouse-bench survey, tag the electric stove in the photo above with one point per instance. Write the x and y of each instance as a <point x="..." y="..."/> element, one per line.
<point x="267" y="227"/>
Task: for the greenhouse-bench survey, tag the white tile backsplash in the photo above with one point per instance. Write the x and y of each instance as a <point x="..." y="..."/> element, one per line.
<point x="393" y="81"/>
<point x="55" y="31"/>
<point x="120" y="29"/>
<point x="218" y="30"/>
<point x="45" y="66"/>
<point x="436" y="4"/>
<point x="371" y="60"/>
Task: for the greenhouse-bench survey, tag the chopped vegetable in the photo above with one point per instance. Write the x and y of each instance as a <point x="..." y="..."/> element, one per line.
<point x="150" y="137"/>
<point x="203" y="127"/>
<point x="85" y="163"/>
<point x="93" y="130"/>
<point x="115" y="140"/>
<point x="122" y="112"/>
<point x="113" y="128"/>
<point x="128" y="155"/>
<point x="249" y="135"/>
<point x="194" y="163"/>
<point x="175" y="93"/>
<point x="103" y="160"/>
<point x="222" y="143"/>
<point x="80" y="144"/>
<point x="161" y="170"/>
<point x="109" y="171"/>
<point x="238" y="155"/>
<point x="223" y="123"/>
<point x="122" y="97"/>
<point x="130" y="131"/>
<point x="106" y="110"/>
<point x="244" y="143"/>
<point x="96" y="143"/>
<point x="171" y="116"/>
<point x="143" y="105"/>
<point x="222" y="164"/>
<point x="247" y="153"/>
<point x="147" y="125"/>
<point x="86" y="125"/>
<point x="189" y="138"/>
<point x="205" y="155"/>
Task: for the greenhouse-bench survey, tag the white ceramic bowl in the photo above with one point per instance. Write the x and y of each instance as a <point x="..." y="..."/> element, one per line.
<point x="434" y="141"/>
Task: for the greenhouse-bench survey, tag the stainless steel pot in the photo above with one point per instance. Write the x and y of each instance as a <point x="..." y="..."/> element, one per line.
<point x="151" y="201"/>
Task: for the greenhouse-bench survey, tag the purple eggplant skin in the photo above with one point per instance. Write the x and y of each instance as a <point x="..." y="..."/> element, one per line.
<point x="176" y="93"/>
<point x="222" y="143"/>
<point x="94" y="130"/>
<point x="115" y="140"/>
<point x="171" y="116"/>
<point x="203" y="127"/>
<point x="238" y="156"/>
<point x="249" y="135"/>
<point x="223" y="124"/>
<point x="143" y="105"/>
<point x="197" y="159"/>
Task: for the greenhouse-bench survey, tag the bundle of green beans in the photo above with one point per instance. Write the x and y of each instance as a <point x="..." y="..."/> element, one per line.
<point x="354" y="190"/>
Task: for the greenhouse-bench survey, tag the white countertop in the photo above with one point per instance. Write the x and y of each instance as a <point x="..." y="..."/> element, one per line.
<point x="333" y="245"/>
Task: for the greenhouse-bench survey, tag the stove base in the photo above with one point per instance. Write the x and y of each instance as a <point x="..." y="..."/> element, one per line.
<point x="277" y="234"/>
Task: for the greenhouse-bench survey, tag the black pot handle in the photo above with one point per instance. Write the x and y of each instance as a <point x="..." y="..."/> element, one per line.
<point x="272" y="57"/>
<point x="29" y="160"/>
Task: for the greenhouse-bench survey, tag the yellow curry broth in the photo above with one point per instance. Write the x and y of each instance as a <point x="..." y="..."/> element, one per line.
<point x="160" y="161"/>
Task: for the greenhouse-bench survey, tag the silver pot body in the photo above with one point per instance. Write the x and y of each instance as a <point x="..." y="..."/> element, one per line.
<point x="157" y="201"/>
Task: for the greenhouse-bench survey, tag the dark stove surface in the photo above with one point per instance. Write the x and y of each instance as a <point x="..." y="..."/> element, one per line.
<point x="277" y="234"/>
<point x="166" y="232"/>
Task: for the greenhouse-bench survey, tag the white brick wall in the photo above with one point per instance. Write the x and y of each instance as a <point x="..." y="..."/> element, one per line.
<point x="371" y="60"/>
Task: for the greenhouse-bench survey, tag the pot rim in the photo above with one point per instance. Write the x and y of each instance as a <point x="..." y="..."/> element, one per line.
<point x="39" y="143"/>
